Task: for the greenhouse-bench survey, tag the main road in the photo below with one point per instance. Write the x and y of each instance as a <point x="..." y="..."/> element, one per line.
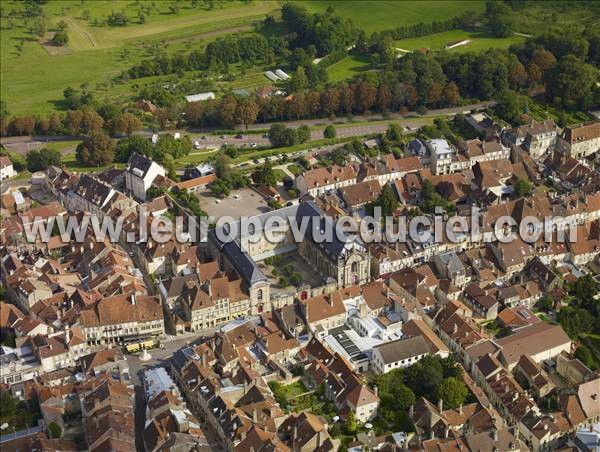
<point x="355" y="127"/>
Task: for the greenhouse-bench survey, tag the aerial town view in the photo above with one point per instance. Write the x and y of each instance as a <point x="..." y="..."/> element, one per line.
<point x="300" y="225"/>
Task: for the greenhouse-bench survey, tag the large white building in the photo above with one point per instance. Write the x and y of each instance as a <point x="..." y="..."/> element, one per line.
<point x="139" y="175"/>
<point x="399" y="353"/>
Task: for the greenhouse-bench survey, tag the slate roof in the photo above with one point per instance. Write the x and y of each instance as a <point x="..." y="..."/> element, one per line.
<point x="401" y="349"/>
<point x="139" y="162"/>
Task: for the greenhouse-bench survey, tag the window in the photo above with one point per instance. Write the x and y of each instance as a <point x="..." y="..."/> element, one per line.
<point x="354" y="267"/>
<point x="260" y="294"/>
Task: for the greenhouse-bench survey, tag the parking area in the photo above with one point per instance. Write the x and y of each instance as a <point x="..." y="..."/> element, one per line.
<point x="239" y="203"/>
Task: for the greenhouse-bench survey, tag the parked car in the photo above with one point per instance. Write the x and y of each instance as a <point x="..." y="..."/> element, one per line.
<point x="252" y="145"/>
<point x="239" y="136"/>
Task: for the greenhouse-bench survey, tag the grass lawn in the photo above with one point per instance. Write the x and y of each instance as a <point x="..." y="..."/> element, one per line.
<point x="279" y="174"/>
<point x="348" y="67"/>
<point x="62" y="146"/>
<point x="70" y="161"/>
<point x="295" y="169"/>
<point x="378" y="15"/>
<point x="33" y="81"/>
<point x="480" y="40"/>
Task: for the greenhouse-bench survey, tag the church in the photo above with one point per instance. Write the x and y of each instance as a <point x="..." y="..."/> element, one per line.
<point x="342" y="258"/>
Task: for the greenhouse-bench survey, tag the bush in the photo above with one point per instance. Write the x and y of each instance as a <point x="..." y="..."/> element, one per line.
<point x="60" y="38"/>
<point x="54" y="430"/>
<point x="329" y="132"/>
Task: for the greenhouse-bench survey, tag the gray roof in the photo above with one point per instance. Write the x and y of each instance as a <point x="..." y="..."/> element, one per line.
<point x="139" y="162"/>
<point x="93" y="190"/>
<point x="394" y="351"/>
<point x="243" y="263"/>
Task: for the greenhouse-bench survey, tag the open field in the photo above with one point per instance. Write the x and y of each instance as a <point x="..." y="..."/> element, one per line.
<point x="480" y="40"/>
<point x="32" y="80"/>
<point x="383" y="15"/>
<point x="348" y="67"/>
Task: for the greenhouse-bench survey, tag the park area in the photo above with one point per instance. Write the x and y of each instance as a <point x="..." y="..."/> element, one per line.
<point x="472" y="40"/>
<point x="33" y="79"/>
<point x="384" y="15"/>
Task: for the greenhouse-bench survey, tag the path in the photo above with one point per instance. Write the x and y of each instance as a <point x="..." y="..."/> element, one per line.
<point x="76" y="27"/>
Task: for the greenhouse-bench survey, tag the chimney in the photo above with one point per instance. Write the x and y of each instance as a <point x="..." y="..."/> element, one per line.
<point x="132" y="298"/>
<point x="441" y="405"/>
<point x="495" y="434"/>
<point x="376" y="391"/>
<point x="460" y="409"/>
<point x="411" y="411"/>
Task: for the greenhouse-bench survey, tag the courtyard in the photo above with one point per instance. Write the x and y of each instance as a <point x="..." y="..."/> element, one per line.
<point x="287" y="272"/>
<point x="244" y="202"/>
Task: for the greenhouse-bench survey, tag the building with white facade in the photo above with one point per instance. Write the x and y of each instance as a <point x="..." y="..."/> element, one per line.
<point x="139" y="175"/>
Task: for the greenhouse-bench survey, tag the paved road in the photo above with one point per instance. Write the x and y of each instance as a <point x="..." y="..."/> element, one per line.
<point x="345" y="128"/>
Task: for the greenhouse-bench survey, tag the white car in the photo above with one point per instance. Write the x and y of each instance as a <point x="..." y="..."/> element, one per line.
<point x="252" y="145"/>
<point x="196" y="145"/>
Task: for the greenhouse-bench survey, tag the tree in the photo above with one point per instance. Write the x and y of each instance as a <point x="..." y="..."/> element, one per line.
<point x="497" y="14"/>
<point x="365" y="94"/>
<point x="280" y="135"/>
<point x="303" y="134"/>
<point x="547" y="302"/>
<point x="38" y="27"/>
<point x="228" y="110"/>
<point x="350" y="425"/>
<point x="534" y="73"/>
<point x="42" y="159"/>
<point x="329" y="132"/>
<point x="451" y="94"/>
<point x="54" y="430"/>
<point x="8" y="406"/>
<point x="91" y="121"/>
<point x="127" y="123"/>
<point x="572" y="83"/>
<point x="452" y="391"/>
<point x="247" y="111"/>
<point x="517" y="75"/>
<point x="584" y="355"/>
<point x="522" y="188"/>
<point x="128" y="145"/>
<point x="60" y="38"/>
<point x="507" y="107"/>
<point x="266" y="175"/>
<point x="298" y="81"/>
<point x="386" y="200"/>
<point x="384" y="97"/>
<point x="543" y="59"/>
<point x="394" y="132"/>
<point x="96" y="149"/>
<point x="117" y="19"/>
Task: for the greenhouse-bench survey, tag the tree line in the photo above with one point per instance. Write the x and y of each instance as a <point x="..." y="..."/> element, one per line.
<point x="107" y="117"/>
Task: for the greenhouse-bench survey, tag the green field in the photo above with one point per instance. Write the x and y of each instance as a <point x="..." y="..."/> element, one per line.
<point x="480" y="40"/>
<point x="32" y="79"/>
<point x="375" y="15"/>
<point x="348" y="67"/>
